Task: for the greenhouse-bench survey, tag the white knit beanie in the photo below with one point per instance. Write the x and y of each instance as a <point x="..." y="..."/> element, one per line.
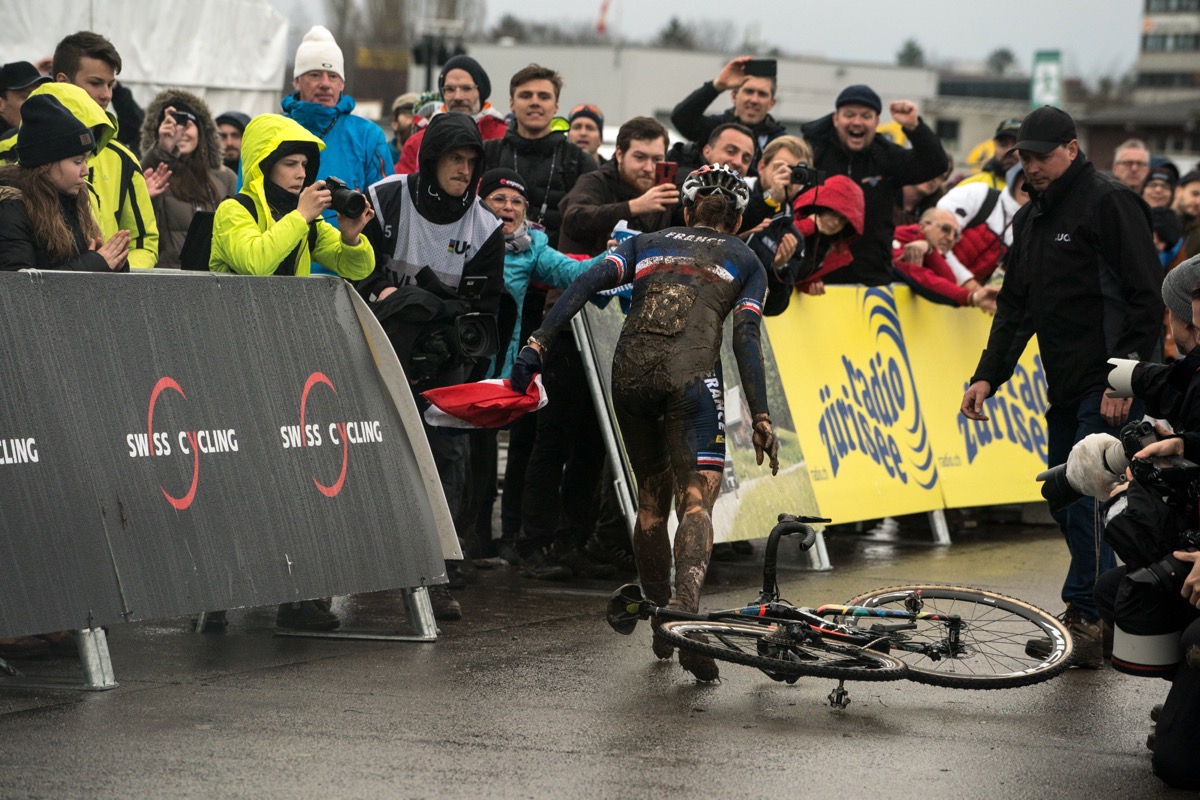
<point x="318" y="50"/>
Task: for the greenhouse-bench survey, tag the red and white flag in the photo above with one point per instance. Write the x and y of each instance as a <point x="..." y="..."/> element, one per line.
<point x="483" y="404"/>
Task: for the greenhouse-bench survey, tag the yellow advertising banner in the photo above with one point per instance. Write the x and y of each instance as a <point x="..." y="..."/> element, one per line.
<point x="874" y="377"/>
<point x="979" y="463"/>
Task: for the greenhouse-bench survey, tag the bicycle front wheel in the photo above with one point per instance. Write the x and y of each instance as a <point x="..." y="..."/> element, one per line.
<point x="773" y="650"/>
<point x="988" y="651"/>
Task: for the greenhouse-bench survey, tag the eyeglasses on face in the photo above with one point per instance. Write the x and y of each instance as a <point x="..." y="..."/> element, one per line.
<point x="946" y="228"/>
<point x="450" y="90"/>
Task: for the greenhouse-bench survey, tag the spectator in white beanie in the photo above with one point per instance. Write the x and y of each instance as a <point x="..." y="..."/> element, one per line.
<point x="356" y="149"/>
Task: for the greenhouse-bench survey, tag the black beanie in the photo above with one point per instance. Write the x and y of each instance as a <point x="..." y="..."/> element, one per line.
<point x="471" y="67"/>
<point x="501" y="177"/>
<point x="50" y="133"/>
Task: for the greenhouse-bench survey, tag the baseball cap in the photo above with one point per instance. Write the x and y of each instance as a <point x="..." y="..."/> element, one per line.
<point x="1045" y="129"/>
<point x="408" y="99"/>
<point x="20" y="75"/>
<point x="1008" y="127"/>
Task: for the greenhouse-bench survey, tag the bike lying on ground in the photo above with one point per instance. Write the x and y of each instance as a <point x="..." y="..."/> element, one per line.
<point x="952" y="636"/>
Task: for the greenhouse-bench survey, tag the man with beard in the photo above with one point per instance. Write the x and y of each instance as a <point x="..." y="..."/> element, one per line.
<point x="844" y="143"/>
<point x="622" y="189"/>
<point x="431" y="225"/>
<point x="1003" y="157"/>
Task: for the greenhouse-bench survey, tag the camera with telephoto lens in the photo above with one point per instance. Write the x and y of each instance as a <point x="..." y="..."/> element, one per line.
<point x="1170" y="476"/>
<point x="345" y="200"/>
<point x="805" y="176"/>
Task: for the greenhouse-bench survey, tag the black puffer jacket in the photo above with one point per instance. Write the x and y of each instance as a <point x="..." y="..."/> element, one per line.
<point x="550" y="166"/>
<point x="1084" y="276"/>
<point x="881" y="169"/>
<point x="20" y="249"/>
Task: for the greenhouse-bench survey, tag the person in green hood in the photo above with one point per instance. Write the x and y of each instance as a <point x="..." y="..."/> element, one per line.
<point x="280" y="160"/>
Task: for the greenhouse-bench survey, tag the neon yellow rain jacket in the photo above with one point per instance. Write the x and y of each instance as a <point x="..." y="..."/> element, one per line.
<point x="249" y="247"/>
<point x="115" y="176"/>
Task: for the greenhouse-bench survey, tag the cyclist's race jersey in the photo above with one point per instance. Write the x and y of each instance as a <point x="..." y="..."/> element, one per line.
<point x="685" y="282"/>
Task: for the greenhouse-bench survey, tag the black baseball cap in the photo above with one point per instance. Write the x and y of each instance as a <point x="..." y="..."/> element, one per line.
<point x="1045" y="129"/>
<point x="20" y="75"/>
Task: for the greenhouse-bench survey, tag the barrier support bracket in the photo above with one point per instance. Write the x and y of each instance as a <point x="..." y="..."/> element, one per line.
<point x="93" y="658"/>
<point x="418" y="612"/>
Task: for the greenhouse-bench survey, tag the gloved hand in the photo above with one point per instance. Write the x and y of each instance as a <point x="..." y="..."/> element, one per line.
<point x="528" y="364"/>
<point x="766" y="443"/>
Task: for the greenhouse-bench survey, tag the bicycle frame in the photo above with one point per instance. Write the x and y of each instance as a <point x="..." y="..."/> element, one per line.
<point x="628" y="605"/>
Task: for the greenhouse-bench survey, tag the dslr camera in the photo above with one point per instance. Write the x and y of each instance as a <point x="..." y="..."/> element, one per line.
<point x="806" y="177"/>
<point x="345" y="200"/>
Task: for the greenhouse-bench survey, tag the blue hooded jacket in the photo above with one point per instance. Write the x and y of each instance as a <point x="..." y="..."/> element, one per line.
<point x="356" y="149"/>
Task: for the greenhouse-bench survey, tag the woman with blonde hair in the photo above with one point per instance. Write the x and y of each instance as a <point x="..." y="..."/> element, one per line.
<point x="47" y="219"/>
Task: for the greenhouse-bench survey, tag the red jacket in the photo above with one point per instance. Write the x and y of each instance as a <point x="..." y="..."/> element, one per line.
<point x="843" y="195"/>
<point x="491" y="126"/>
<point x="933" y="279"/>
<point x="979" y="250"/>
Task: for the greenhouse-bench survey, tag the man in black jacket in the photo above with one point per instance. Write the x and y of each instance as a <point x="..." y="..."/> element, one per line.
<point x="548" y="162"/>
<point x="434" y="240"/>
<point x="1083" y="275"/>
<point x="844" y="143"/>
<point x="753" y="98"/>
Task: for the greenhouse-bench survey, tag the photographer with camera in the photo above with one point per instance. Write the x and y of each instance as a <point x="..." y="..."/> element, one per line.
<point x="439" y="271"/>
<point x="1150" y="487"/>
<point x="273" y="226"/>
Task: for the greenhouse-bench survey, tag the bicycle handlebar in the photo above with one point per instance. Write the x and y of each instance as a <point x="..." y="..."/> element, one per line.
<point x="787" y="525"/>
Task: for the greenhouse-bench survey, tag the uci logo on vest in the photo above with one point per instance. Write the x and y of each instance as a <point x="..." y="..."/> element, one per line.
<point x="1063" y="237"/>
<point x="457" y="247"/>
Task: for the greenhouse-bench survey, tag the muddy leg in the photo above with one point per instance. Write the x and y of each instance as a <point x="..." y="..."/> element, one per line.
<point x="693" y="538"/>
<point x="652" y="548"/>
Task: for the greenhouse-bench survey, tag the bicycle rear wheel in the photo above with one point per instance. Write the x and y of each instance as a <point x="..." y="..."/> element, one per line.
<point x="773" y="650"/>
<point x="990" y="652"/>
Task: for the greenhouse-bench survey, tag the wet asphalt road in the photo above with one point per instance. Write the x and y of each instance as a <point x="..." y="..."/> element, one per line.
<point x="532" y="695"/>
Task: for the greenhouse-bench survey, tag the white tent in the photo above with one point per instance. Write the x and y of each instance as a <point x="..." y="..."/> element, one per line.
<point x="230" y="52"/>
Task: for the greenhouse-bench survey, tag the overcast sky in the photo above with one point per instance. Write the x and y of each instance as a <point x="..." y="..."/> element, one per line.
<point x="1096" y="37"/>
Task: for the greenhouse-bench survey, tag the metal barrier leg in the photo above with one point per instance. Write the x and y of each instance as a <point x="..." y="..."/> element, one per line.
<point x="818" y="556"/>
<point x="93" y="654"/>
<point x="93" y="657"/>
<point x="418" y="612"/>
<point x="941" y="531"/>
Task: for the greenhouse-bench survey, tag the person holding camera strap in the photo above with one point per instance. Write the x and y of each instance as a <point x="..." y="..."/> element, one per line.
<point x="432" y="224"/>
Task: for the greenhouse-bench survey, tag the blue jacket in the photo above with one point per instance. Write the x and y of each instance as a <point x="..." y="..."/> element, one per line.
<point x="541" y="263"/>
<point x="356" y="149"/>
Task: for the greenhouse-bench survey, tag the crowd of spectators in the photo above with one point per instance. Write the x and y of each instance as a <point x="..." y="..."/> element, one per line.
<point x="528" y="202"/>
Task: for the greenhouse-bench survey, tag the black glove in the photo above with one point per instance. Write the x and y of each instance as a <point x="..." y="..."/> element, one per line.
<point x="528" y="364"/>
